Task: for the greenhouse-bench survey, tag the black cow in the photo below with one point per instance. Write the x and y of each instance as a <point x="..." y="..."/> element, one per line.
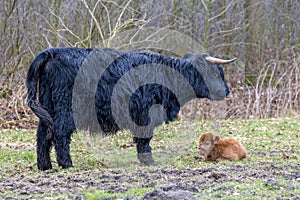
<point x="50" y="87"/>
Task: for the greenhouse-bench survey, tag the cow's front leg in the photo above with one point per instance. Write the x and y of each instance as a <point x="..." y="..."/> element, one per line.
<point x="144" y="150"/>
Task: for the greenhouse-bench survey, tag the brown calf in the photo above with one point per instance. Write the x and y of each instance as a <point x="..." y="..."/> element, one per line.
<point x="215" y="148"/>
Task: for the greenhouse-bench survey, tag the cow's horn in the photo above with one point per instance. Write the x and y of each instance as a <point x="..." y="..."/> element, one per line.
<point x="218" y="60"/>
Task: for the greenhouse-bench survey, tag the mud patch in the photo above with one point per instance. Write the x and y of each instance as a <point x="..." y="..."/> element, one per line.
<point x="168" y="183"/>
<point x="172" y="192"/>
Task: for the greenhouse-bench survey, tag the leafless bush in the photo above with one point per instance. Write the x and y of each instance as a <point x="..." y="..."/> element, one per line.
<point x="263" y="34"/>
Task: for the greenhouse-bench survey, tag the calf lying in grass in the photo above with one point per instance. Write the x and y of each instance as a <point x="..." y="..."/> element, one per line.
<point x="215" y="148"/>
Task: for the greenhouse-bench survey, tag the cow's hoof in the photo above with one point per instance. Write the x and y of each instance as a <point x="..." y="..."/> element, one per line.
<point x="146" y="158"/>
<point x="66" y="165"/>
<point x="44" y="167"/>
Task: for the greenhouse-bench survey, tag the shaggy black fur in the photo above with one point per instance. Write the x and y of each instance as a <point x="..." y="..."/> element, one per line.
<point x="52" y="74"/>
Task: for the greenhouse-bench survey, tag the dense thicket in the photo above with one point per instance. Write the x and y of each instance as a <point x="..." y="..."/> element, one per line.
<point x="263" y="34"/>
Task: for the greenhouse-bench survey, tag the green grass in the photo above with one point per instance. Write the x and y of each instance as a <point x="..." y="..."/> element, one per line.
<point x="273" y="147"/>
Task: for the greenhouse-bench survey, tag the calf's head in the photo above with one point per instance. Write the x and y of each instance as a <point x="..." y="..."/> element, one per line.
<point x="212" y="73"/>
<point x="207" y="142"/>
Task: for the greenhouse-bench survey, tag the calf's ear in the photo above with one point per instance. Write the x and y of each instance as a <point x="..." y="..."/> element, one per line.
<point x="217" y="138"/>
<point x="202" y="137"/>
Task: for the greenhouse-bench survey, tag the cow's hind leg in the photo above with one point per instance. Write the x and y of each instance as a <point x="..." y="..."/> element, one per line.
<point x="43" y="147"/>
<point x="144" y="150"/>
<point x="64" y="127"/>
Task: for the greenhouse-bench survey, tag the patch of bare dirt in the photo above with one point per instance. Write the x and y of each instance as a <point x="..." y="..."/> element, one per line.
<point x="166" y="183"/>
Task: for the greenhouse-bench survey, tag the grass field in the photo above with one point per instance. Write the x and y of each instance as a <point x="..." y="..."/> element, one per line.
<point x="106" y="167"/>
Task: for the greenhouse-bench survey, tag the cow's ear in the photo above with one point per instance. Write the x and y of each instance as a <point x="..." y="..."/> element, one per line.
<point x="188" y="55"/>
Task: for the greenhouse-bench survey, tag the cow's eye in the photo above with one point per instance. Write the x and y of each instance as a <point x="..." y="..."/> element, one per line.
<point x="216" y="72"/>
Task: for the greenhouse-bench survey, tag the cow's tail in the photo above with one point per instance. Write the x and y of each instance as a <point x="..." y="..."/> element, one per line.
<point x="32" y="82"/>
